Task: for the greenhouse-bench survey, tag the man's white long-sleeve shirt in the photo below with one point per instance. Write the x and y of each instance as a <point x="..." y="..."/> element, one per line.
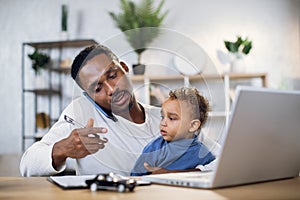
<point x="126" y="141"/>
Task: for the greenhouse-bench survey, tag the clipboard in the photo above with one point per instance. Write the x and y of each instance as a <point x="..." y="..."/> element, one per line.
<point x="78" y="182"/>
<point x="70" y="181"/>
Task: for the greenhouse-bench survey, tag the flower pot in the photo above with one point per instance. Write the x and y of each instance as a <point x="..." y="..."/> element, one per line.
<point x="41" y="80"/>
<point x="138" y="69"/>
<point x="64" y="35"/>
<point x="237" y="66"/>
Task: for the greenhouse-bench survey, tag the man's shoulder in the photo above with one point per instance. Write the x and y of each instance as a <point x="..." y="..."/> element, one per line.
<point x="78" y="101"/>
<point x="78" y="106"/>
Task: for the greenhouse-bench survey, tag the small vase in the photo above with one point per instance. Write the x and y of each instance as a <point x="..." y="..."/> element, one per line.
<point x="237" y="66"/>
<point x="138" y="69"/>
<point x="64" y="35"/>
<point x="41" y="80"/>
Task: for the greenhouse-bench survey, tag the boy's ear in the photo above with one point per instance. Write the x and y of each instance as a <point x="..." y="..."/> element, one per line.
<point x="195" y="125"/>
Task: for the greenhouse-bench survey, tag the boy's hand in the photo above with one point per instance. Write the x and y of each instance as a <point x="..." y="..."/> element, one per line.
<point x="155" y="170"/>
<point x="159" y="170"/>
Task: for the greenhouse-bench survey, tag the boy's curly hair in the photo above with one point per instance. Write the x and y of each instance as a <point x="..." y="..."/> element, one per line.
<point x="199" y="104"/>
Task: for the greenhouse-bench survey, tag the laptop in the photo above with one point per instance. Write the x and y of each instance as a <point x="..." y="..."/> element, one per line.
<point x="261" y="143"/>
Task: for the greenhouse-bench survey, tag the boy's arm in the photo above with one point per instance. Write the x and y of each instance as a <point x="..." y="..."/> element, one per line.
<point x="158" y="170"/>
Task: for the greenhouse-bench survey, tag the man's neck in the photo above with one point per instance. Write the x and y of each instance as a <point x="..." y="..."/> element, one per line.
<point x="135" y="113"/>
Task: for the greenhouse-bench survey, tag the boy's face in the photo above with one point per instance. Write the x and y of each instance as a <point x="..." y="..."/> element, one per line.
<point x="175" y="120"/>
<point x="105" y="81"/>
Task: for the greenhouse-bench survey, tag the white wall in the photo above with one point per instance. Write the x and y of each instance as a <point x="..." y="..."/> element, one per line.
<point x="272" y="25"/>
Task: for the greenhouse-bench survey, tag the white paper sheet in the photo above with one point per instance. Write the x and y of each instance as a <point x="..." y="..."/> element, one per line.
<point x="71" y="181"/>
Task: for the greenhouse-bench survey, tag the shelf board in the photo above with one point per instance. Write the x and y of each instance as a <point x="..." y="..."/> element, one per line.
<point x="61" y="44"/>
<point x="166" y="78"/>
<point x="156" y="78"/>
<point x="206" y="76"/>
<point x="137" y="78"/>
<point x="43" y="91"/>
<point x="180" y="77"/>
<point x="29" y="137"/>
<point x="198" y="77"/>
<point x="62" y="70"/>
<point x="246" y="75"/>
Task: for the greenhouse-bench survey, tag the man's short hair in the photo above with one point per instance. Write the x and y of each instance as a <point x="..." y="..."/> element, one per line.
<point x="85" y="55"/>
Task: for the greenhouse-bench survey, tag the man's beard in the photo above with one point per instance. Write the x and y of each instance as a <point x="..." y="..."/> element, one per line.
<point x="124" y="108"/>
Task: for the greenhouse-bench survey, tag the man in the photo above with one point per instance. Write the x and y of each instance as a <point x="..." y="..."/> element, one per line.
<point x="117" y="126"/>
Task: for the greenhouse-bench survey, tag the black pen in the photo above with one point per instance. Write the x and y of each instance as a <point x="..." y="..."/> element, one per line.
<point x="75" y="123"/>
<point x="72" y="121"/>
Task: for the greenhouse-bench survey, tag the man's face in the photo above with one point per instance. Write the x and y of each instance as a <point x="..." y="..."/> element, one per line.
<point x="105" y="81"/>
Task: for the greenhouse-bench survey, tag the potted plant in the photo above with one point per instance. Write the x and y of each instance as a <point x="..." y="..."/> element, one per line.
<point x="133" y="20"/>
<point x="39" y="61"/>
<point x="238" y="49"/>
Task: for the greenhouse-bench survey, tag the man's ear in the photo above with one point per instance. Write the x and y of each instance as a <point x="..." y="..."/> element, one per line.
<point x="194" y="125"/>
<point x="124" y="66"/>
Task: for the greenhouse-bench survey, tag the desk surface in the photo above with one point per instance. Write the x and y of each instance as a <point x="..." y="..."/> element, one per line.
<point x="40" y="188"/>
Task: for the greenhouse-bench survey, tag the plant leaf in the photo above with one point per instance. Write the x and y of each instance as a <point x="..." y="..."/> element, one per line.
<point x="135" y="16"/>
<point x="247" y="47"/>
<point x="240" y="45"/>
<point x="231" y="47"/>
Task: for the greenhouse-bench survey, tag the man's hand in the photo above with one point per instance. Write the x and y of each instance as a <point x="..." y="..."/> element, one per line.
<point x="80" y="143"/>
<point x="159" y="170"/>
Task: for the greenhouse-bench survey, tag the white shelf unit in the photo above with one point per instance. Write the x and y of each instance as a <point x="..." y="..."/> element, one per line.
<point x="217" y="88"/>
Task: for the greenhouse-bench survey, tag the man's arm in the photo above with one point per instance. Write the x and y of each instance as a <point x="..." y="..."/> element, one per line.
<point x="48" y="156"/>
<point x="36" y="161"/>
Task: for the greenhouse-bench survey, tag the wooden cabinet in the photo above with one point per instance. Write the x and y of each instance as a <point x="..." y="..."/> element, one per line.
<point x="46" y="98"/>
